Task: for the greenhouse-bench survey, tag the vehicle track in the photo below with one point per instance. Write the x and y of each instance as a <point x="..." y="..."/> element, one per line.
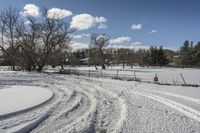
<point x="188" y="111"/>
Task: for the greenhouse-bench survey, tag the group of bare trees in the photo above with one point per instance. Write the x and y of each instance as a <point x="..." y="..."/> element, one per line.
<point x="125" y="57"/>
<point x="29" y="42"/>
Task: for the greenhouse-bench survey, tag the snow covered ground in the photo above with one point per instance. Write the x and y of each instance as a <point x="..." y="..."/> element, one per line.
<point x="21" y="98"/>
<point x="102" y="105"/>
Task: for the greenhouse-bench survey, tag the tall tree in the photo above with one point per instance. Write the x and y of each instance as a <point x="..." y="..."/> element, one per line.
<point x="196" y="54"/>
<point x="162" y="58"/>
<point x="99" y="42"/>
<point x="9" y="22"/>
<point x="186" y="54"/>
<point x="32" y="44"/>
<point x="122" y="56"/>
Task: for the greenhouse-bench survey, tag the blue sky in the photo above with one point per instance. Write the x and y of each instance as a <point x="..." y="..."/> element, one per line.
<point x="161" y="22"/>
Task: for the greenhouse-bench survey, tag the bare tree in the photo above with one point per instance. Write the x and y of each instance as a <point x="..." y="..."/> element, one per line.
<point x="99" y="42"/>
<point x="59" y="55"/>
<point x="131" y="57"/>
<point x="55" y="33"/>
<point x="42" y="39"/>
<point x="94" y="57"/>
<point x="9" y="21"/>
<point x="31" y="45"/>
<point x="122" y="56"/>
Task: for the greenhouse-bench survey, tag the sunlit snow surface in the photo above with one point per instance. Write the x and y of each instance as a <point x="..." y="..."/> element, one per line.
<point x="19" y="98"/>
<point x="85" y="104"/>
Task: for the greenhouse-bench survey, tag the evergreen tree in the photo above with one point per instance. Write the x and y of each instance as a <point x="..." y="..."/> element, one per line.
<point x="152" y="56"/>
<point x="162" y="58"/>
<point x="196" y="54"/>
<point x="186" y="54"/>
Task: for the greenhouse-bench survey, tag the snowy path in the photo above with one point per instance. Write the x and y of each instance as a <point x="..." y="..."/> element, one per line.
<point x="89" y="105"/>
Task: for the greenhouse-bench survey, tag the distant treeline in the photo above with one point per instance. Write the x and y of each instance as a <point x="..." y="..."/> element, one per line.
<point x="187" y="56"/>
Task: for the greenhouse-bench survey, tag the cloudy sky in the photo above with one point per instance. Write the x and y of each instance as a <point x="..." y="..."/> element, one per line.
<point x="128" y="22"/>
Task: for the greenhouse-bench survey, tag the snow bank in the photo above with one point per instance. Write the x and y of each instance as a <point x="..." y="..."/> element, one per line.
<point x="21" y="98"/>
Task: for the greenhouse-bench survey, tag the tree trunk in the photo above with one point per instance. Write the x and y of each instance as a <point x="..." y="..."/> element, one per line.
<point x="29" y="68"/>
<point x="103" y="66"/>
<point x="96" y="67"/>
<point x="13" y="67"/>
<point x="40" y="68"/>
<point x="62" y="67"/>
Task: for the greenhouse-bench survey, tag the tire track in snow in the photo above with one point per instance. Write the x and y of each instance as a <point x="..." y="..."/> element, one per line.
<point x="79" y="109"/>
<point x="103" y="117"/>
<point x="30" y="125"/>
<point x="83" y="121"/>
<point x="122" y="106"/>
<point x="61" y="115"/>
<point x="188" y="111"/>
<point x="114" y="120"/>
<point x="191" y="99"/>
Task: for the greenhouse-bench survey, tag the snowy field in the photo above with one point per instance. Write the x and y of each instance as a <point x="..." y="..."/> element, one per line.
<point x="101" y="105"/>
<point x="171" y="76"/>
<point x="21" y="98"/>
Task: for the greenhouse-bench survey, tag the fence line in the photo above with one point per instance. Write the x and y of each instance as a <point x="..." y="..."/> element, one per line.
<point x="130" y="75"/>
<point x="116" y="73"/>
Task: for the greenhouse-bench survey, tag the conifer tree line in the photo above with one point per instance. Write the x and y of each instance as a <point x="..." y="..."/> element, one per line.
<point x="45" y="41"/>
<point x="189" y="55"/>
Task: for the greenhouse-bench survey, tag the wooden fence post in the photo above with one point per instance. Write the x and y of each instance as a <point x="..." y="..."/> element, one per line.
<point x="183" y="78"/>
<point x="78" y="72"/>
<point x="134" y="75"/>
<point x="117" y="73"/>
<point x="89" y="73"/>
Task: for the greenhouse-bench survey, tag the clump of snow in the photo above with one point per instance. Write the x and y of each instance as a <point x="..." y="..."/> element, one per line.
<point x="21" y="98"/>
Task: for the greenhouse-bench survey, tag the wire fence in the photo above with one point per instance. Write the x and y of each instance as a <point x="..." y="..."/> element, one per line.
<point x="134" y="75"/>
<point x="130" y="75"/>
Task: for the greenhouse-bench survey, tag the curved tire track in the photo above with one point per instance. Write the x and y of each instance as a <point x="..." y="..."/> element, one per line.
<point x="188" y="111"/>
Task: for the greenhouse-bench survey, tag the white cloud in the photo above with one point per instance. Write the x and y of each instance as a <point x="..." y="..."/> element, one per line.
<point x="135" y="47"/>
<point x="100" y="20"/>
<point x="152" y="31"/>
<point x="102" y="26"/>
<point x="30" y="10"/>
<point x="78" y="36"/>
<point x="120" y="40"/>
<point x="81" y="35"/>
<point x="136" y="43"/>
<point x="86" y="21"/>
<point x="86" y="34"/>
<point x="57" y="13"/>
<point x="82" y="21"/>
<point x="78" y="45"/>
<point x="101" y="37"/>
<point x="136" y="27"/>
